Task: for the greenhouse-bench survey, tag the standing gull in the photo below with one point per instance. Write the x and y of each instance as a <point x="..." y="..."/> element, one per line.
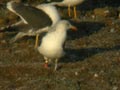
<point x="68" y="3"/>
<point x="51" y="46"/>
<point x="39" y="18"/>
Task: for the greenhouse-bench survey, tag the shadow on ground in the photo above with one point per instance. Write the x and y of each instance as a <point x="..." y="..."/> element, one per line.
<point x="75" y="55"/>
<point x="85" y="29"/>
<point x="92" y="4"/>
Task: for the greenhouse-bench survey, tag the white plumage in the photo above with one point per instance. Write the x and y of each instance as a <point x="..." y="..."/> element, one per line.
<point x="69" y="3"/>
<point x="52" y="44"/>
<point x="51" y="11"/>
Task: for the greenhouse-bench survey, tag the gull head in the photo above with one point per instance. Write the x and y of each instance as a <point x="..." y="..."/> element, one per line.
<point x="65" y="25"/>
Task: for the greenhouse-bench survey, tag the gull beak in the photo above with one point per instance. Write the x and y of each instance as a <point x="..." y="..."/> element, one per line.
<point x="73" y="28"/>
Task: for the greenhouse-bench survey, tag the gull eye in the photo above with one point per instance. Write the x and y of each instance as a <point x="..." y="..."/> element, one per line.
<point x="67" y="24"/>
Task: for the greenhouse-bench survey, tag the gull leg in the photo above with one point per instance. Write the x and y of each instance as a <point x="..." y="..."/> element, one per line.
<point x="69" y="11"/>
<point x="37" y="36"/>
<point x="75" y="13"/>
<point x="36" y="41"/>
<point x="18" y="36"/>
<point x="56" y="64"/>
<point x="46" y="62"/>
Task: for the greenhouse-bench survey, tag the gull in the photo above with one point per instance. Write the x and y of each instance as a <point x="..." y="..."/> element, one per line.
<point x="39" y="18"/>
<point x="68" y="3"/>
<point x="51" y="46"/>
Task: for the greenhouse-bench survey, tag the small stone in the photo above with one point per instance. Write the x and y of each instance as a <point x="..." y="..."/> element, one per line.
<point x="115" y="88"/>
<point x="63" y="78"/>
<point x="106" y="12"/>
<point x="101" y="12"/>
<point x="93" y="16"/>
<point x="3" y="42"/>
<point x="76" y="73"/>
<point x="18" y="79"/>
<point x="95" y="75"/>
<point x="112" y="30"/>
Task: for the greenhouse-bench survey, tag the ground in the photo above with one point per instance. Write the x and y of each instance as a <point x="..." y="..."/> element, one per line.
<point x="92" y="60"/>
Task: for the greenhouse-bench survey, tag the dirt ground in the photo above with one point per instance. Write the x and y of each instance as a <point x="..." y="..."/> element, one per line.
<point x="92" y="61"/>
